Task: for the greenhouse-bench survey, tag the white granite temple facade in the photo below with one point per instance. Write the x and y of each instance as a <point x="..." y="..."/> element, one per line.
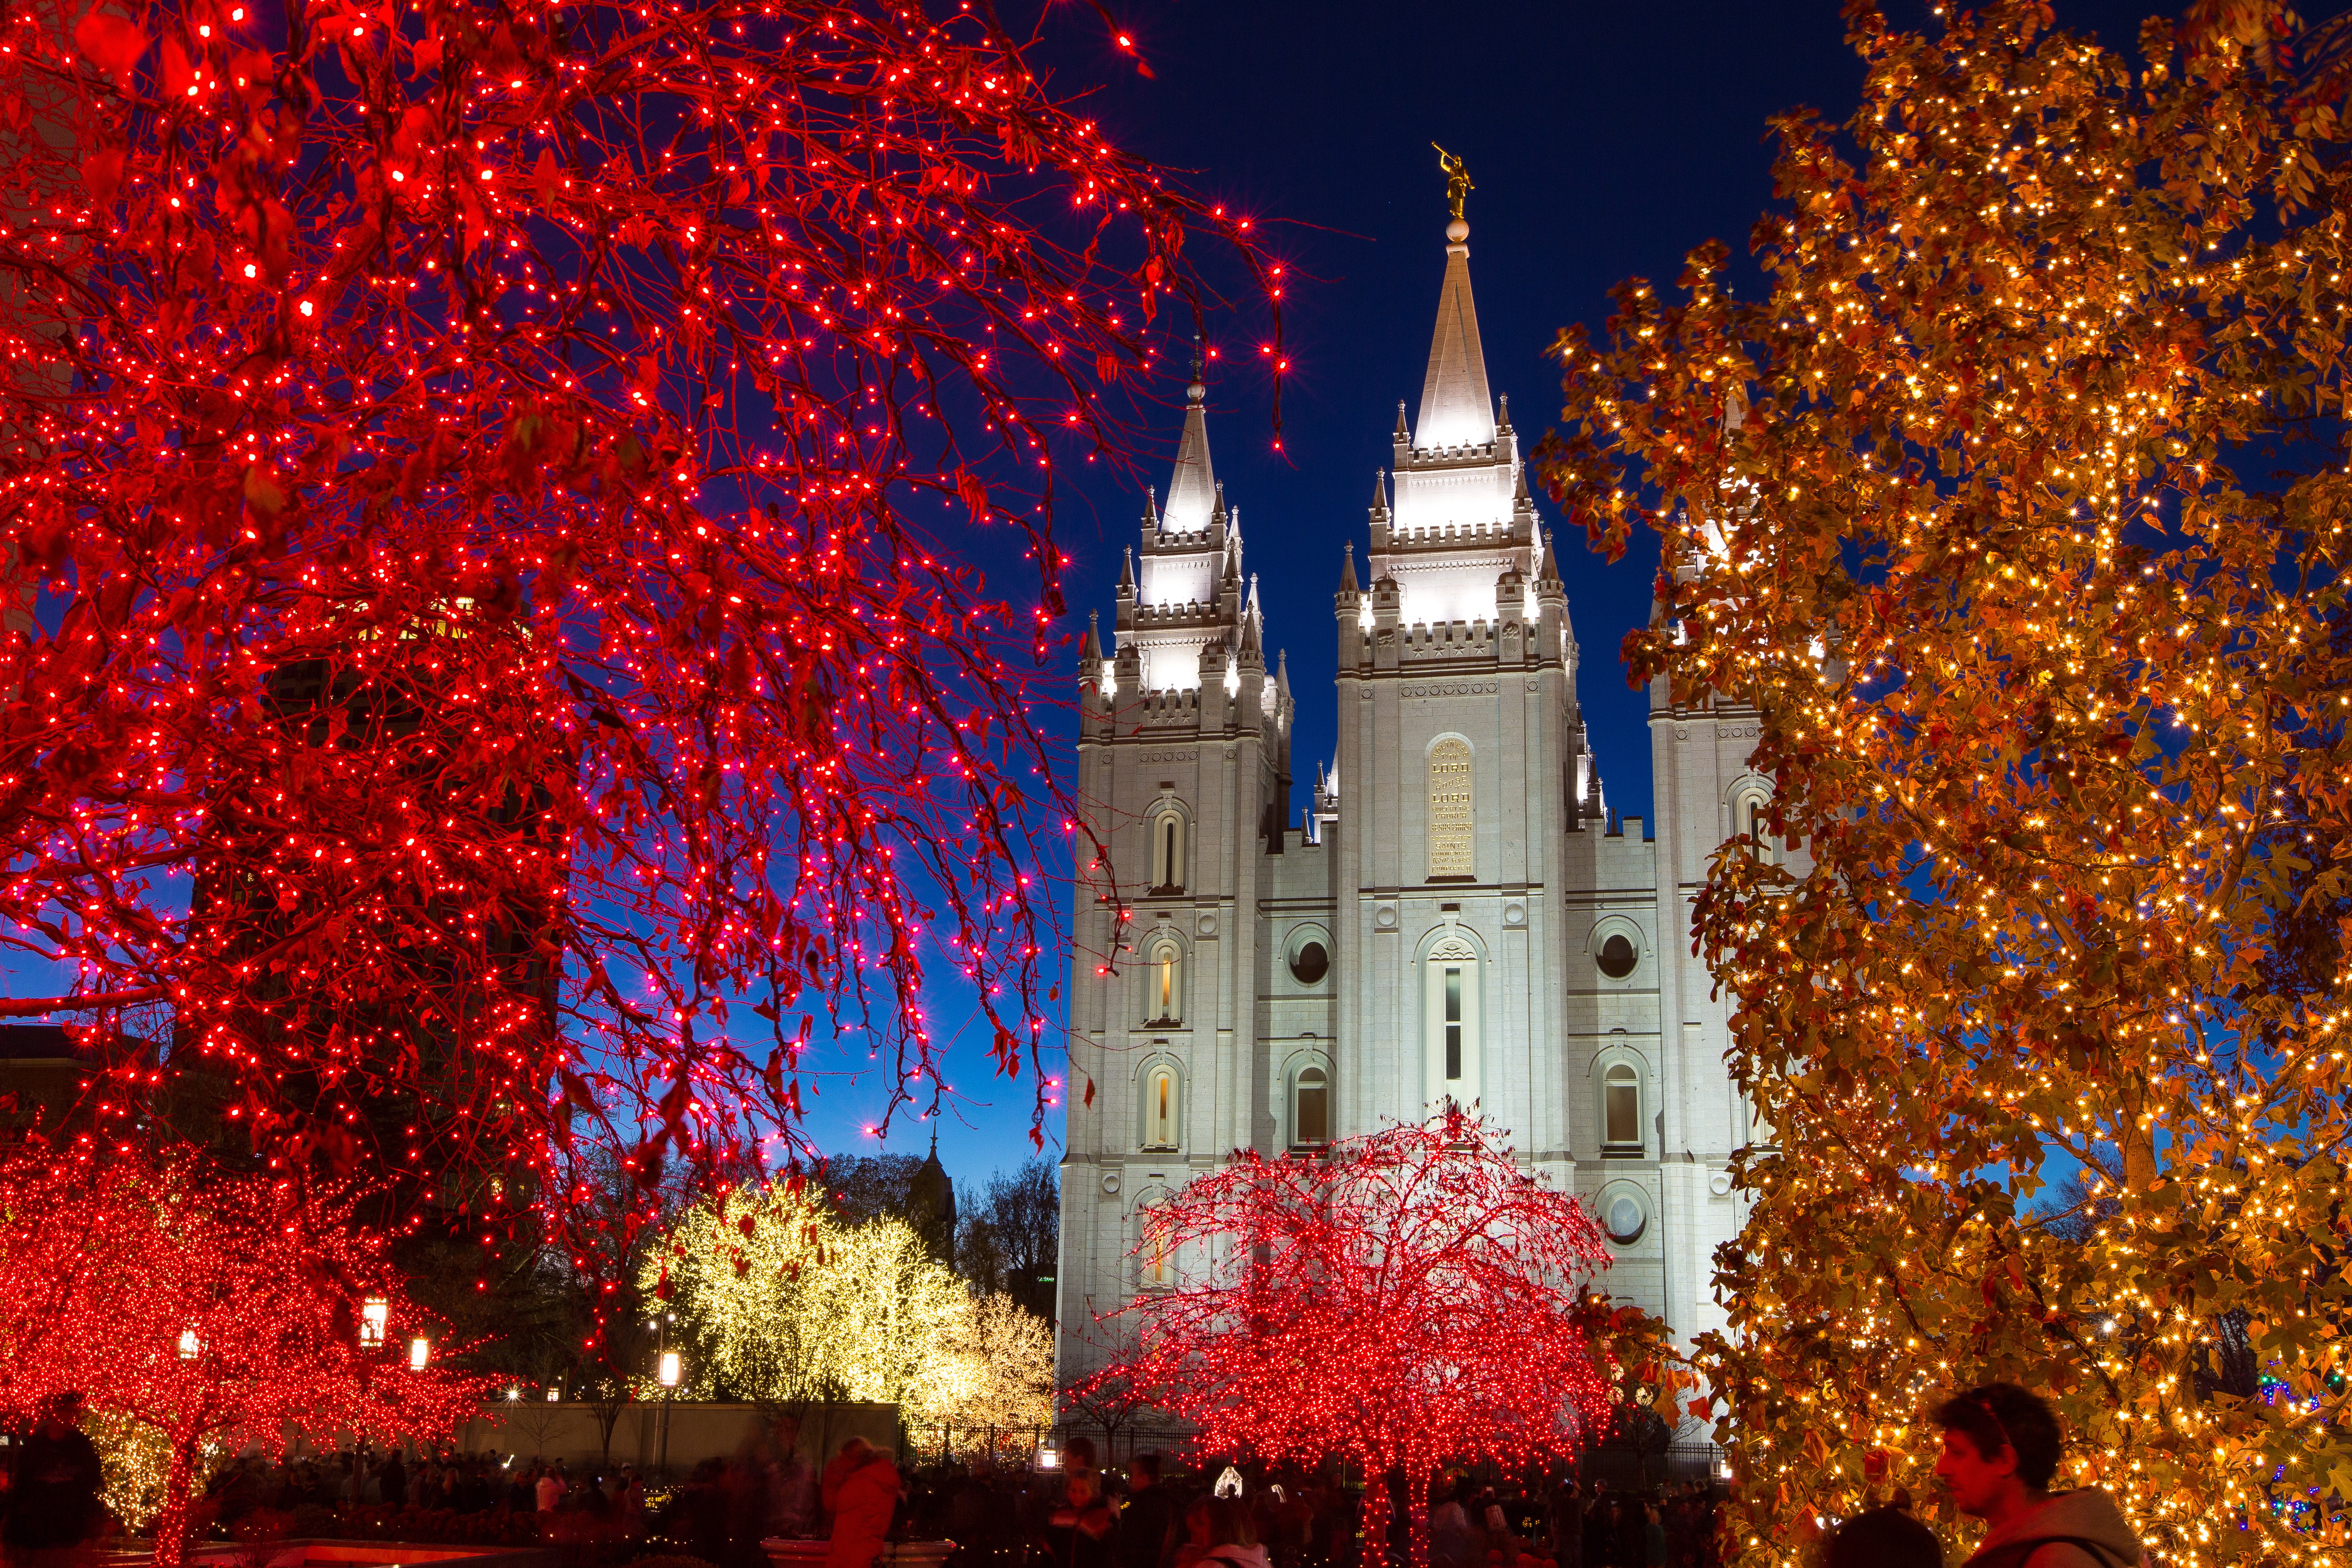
<point x="1457" y="913"/>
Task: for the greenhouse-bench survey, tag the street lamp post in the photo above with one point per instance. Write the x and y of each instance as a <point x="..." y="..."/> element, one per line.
<point x="667" y="1371"/>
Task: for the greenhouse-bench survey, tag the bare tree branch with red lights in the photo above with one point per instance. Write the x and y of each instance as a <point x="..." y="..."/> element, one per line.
<point x="219" y="1312"/>
<point x="1404" y="1299"/>
<point x="502" y="667"/>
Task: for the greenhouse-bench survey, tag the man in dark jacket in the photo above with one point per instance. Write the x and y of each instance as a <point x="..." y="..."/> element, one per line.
<point x="1147" y="1525"/>
<point x="53" y="1481"/>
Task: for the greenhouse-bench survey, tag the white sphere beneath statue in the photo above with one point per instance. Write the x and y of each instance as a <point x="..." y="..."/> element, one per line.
<point x="1457" y="231"/>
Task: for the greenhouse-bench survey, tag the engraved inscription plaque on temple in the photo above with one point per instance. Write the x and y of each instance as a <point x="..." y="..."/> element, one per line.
<point x="1449" y="809"/>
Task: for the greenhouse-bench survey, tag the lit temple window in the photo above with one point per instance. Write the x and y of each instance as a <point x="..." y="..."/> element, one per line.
<point x="1163" y="1107"/>
<point x="1159" y="1270"/>
<point x="1163" y="979"/>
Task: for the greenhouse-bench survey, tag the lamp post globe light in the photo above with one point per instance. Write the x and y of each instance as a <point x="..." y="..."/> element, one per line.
<point x="375" y="1317"/>
<point x="419" y="1353"/>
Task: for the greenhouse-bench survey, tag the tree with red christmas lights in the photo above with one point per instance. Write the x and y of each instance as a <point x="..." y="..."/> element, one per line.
<point x="217" y="1311"/>
<point x="1400" y="1301"/>
<point x="495" y="486"/>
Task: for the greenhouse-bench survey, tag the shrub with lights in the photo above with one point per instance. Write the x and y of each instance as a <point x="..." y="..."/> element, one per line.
<point x="2013" y="505"/>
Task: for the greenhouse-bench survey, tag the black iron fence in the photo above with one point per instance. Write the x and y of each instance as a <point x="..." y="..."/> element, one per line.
<point x="1642" y="1465"/>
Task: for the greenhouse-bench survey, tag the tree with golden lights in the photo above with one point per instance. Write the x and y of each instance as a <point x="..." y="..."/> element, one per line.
<point x="996" y="1367"/>
<point x="786" y="1305"/>
<point x="2014" y="506"/>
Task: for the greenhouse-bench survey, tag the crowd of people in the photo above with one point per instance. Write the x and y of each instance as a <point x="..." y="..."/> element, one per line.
<point x="2001" y="1447"/>
<point x="459" y="1482"/>
<point x="1144" y="1518"/>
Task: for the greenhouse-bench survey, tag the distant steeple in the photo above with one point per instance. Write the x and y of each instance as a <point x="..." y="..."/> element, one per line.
<point x="1456" y="409"/>
<point x="932" y="1204"/>
<point x="1347" y="570"/>
<point x="1380" y="491"/>
<point x="1092" y="647"/>
<point x="1127" y="572"/>
<point x="1193" y="492"/>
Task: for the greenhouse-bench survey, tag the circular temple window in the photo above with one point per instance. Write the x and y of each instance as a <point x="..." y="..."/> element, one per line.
<point x="1625" y="1220"/>
<point x="1617" y="956"/>
<point x="1310" y="964"/>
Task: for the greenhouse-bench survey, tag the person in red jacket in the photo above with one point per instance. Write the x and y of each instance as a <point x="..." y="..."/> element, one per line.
<point x="861" y="1490"/>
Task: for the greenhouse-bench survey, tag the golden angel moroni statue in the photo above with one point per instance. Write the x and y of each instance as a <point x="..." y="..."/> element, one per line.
<point x="1457" y="181"/>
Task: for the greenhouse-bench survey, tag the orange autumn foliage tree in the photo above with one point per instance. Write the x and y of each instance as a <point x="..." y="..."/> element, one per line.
<point x="498" y="667"/>
<point x="2016" y="507"/>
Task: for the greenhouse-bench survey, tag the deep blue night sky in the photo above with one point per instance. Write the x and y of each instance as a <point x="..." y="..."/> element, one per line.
<point x="1606" y="139"/>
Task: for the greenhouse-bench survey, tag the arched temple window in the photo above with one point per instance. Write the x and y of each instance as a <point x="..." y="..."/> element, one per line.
<point x="1155" y="1250"/>
<point x="1310" y="1108"/>
<point x="1752" y="819"/>
<point x="1168" y="852"/>
<point x="1621" y="1108"/>
<point x="1163" y="982"/>
<point x="1450" y="1025"/>
<point x="1164" y="1106"/>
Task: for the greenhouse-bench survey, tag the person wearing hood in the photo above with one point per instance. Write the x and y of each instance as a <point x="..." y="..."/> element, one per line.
<point x="1235" y="1531"/>
<point x="2000" y="1449"/>
<point x="861" y="1491"/>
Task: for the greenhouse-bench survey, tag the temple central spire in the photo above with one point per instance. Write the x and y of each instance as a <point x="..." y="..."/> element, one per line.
<point x="1192" y="492"/>
<point x="1456" y="409"/>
